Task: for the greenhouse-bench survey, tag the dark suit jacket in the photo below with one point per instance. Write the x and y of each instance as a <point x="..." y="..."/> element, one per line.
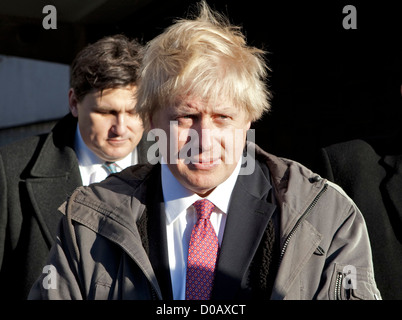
<point x="36" y="176"/>
<point x="371" y="173"/>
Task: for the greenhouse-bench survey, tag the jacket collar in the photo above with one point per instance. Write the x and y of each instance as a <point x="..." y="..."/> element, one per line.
<point x="55" y="168"/>
<point x="57" y="157"/>
<point x="294" y="187"/>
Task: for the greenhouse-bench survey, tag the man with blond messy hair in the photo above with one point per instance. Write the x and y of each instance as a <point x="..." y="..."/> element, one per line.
<point x="195" y="225"/>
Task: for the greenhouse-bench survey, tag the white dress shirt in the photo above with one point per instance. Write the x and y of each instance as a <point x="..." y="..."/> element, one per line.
<point x="181" y="217"/>
<point x="90" y="164"/>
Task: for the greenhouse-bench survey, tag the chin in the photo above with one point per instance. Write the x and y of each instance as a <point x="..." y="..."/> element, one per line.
<point x="202" y="185"/>
<point x="117" y="153"/>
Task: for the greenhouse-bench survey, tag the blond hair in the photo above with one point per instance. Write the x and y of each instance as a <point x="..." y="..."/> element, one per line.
<point x="206" y="57"/>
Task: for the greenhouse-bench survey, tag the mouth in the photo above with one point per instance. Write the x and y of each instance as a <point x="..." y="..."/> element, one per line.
<point x="117" y="142"/>
<point x="205" y="164"/>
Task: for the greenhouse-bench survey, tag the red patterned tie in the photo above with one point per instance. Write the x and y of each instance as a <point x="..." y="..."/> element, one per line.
<point x="202" y="254"/>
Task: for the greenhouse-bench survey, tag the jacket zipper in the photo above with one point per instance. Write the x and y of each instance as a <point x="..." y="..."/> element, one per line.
<point x="338" y="285"/>
<point x="303" y="216"/>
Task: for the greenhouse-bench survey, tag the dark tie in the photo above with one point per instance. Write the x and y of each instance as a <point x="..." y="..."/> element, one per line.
<point x="202" y="254"/>
<point x="110" y="167"/>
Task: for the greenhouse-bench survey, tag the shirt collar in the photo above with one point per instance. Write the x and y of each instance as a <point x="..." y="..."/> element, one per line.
<point x="87" y="160"/>
<point x="127" y="161"/>
<point x="177" y="198"/>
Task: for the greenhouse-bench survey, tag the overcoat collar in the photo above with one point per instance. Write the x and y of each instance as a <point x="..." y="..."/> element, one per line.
<point x="57" y="156"/>
<point x="54" y="175"/>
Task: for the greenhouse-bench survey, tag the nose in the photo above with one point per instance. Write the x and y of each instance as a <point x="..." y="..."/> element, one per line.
<point x="119" y="126"/>
<point x="205" y="133"/>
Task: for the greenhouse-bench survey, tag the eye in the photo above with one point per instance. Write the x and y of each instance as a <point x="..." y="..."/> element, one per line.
<point x="103" y="111"/>
<point x="223" y="117"/>
<point x="186" y="116"/>
<point x="185" y="120"/>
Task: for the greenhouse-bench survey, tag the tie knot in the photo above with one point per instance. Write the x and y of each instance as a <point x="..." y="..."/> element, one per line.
<point x="110" y="167"/>
<point x="204" y="208"/>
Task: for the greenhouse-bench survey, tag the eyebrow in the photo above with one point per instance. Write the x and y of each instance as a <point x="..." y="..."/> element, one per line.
<point x="106" y="108"/>
<point x="186" y="108"/>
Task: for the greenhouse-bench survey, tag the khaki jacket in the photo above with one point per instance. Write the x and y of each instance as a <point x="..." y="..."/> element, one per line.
<point x="102" y="251"/>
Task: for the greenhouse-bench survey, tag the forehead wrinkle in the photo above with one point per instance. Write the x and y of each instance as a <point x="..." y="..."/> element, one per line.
<point x="195" y="106"/>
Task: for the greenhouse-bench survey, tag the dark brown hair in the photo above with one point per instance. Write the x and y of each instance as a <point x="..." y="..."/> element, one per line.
<point x="111" y="62"/>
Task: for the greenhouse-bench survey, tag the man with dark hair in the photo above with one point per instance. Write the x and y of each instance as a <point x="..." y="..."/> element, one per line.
<point x="101" y="134"/>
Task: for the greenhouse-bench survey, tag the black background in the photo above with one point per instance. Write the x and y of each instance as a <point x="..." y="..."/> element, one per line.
<point x="329" y="84"/>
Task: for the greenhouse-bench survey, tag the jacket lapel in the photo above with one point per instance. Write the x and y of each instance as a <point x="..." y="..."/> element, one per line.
<point x="53" y="177"/>
<point x="393" y="185"/>
<point x="249" y="213"/>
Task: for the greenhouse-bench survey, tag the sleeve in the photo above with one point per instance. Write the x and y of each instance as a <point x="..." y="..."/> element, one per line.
<point x="349" y="272"/>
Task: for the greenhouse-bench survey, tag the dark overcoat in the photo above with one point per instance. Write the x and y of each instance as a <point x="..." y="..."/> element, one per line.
<point x="37" y="174"/>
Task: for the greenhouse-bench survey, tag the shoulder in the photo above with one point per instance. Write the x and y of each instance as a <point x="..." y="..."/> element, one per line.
<point x="29" y="146"/>
<point x="131" y="182"/>
<point x="357" y="148"/>
<point x="355" y="157"/>
<point x="137" y="173"/>
<point x="20" y="145"/>
<point x="281" y="169"/>
<point x="123" y="194"/>
<point x="21" y="151"/>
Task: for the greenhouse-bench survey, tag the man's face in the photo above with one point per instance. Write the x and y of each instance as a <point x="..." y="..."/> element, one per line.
<point x="204" y="142"/>
<point x="107" y="121"/>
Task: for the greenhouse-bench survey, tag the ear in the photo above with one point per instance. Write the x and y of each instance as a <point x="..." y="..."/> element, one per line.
<point x="73" y="102"/>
